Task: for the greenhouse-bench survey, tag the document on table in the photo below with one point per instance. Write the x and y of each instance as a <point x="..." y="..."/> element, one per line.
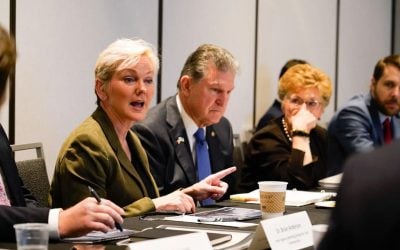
<point x="226" y="216"/>
<point x="293" y="197"/>
<point x="239" y="240"/>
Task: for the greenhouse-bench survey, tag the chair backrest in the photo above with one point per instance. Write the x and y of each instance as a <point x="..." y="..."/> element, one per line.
<point x="238" y="157"/>
<point x="238" y="154"/>
<point x="33" y="172"/>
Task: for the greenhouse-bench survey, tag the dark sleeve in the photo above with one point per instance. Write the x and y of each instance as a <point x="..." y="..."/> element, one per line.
<point x="221" y="152"/>
<point x="157" y="153"/>
<point x="269" y="156"/>
<point x="354" y="131"/>
<point x="14" y="215"/>
<point x="30" y="200"/>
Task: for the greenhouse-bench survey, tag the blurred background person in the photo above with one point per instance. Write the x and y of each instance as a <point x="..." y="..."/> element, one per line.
<point x="275" y="110"/>
<point x="17" y="204"/>
<point x="292" y="148"/>
<point x="169" y="131"/>
<point x="105" y="154"/>
<point x="367" y="121"/>
<point x="367" y="211"/>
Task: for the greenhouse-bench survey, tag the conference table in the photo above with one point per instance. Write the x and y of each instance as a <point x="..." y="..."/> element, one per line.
<point x="316" y="215"/>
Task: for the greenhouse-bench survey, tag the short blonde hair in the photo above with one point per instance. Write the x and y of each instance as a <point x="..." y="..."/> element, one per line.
<point x="303" y="76"/>
<point x="123" y="53"/>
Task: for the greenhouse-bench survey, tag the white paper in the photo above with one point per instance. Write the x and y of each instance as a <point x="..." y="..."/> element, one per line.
<point x="194" y="219"/>
<point x="238" y="240"/>
<point x="192" y="241"/>
<point x="293" y="197"/>
<point x="293" y="231"/>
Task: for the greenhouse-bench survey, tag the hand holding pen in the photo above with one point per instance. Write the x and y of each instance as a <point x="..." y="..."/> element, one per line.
<point x="98" y="199"/>
<point x="87" y="216"/>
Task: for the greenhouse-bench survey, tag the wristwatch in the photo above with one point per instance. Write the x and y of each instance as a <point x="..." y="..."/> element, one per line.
<point x="301" y="133"/>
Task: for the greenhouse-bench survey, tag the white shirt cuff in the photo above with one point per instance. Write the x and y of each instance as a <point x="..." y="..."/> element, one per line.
<point x="54" y="214"/>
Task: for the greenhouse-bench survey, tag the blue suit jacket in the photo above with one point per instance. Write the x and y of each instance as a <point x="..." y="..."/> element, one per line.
<point x="171" y="159"/>
<point x="24" y="207"/>
<point x="355" y="128"/>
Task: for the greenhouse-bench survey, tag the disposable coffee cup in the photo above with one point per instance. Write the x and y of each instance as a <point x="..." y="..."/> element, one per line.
<point x="319" y="231"/>
<point x="272" y="198"/>
<point x="32" y="236"/>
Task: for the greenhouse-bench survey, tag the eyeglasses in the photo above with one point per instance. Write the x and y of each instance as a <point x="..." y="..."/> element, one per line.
<point x="297" y="101"/>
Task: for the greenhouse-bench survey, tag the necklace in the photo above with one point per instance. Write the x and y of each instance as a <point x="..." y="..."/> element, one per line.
<point x="286" y="129"/>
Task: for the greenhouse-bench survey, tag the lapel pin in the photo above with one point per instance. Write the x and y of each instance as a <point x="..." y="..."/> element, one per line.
<point x="212" y="133"/>
<point x="180" y="140"/>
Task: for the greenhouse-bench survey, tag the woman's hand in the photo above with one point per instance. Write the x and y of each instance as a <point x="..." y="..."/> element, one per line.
<point x="303" y="120"/>
<point x="210" y="187"/>
<point x="176" y="201"/>
<point x="88" y="215"/>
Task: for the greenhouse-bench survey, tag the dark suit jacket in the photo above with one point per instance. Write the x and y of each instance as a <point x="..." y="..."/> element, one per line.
<point x="170" y="159"/>
<point x="92" y="155"/>
<point x="355" y="128"/>
<point x="273" y="112"/>
<point x="367" y="213"/>
<point x="24" y="207"/>
<point x="269" y="157"/>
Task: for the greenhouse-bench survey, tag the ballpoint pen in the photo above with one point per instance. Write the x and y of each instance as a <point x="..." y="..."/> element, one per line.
<point x="97" y="197"/>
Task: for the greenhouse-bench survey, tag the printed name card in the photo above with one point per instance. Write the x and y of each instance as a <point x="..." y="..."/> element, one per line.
<point x="288" y="232"/>
<point x="192" y="241"/>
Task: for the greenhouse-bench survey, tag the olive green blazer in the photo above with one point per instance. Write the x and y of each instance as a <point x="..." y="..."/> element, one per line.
<point x="92" y="155"/>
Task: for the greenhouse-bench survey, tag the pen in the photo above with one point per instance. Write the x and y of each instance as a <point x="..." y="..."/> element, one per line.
<point x="97" y="197"/>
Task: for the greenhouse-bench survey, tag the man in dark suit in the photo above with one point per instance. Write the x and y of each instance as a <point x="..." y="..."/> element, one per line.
<point x="17" y="205"/>
<point x="275" y="110"/>
<point x="360" y="125"/>
<point x="367" y="212"/>
<point x="167" y="133"/>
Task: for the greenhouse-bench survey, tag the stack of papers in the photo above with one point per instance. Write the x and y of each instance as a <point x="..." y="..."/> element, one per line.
<point x="293" y="197"/>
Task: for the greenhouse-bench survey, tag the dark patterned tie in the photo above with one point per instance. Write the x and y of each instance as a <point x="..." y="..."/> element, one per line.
<point x="202" y="160"/>
<point x="387" y="131"/>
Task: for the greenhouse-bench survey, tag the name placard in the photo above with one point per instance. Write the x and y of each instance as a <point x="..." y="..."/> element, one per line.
<point x="288" y="232"/>
<point x="192" y="241"/>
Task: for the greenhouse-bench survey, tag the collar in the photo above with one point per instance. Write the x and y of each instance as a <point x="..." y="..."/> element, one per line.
<point x="383" y="117"/>
<point x="190" y="125"/>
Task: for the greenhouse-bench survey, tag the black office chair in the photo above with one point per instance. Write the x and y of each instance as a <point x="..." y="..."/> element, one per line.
<point x="33" y="172"/>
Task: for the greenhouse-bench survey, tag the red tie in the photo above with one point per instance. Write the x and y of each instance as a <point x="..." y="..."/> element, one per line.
<point x="387" y="131"/>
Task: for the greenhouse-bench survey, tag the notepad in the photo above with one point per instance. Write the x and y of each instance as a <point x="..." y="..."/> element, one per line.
<point x="97" y="236"/>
